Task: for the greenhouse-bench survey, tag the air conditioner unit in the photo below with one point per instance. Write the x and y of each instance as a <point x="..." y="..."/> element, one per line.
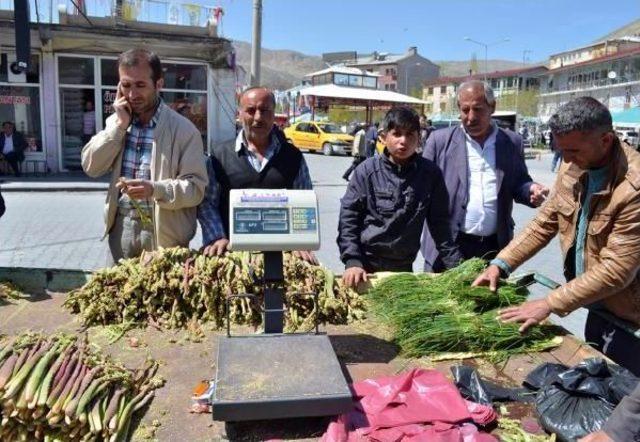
<point x="15" y="75"/>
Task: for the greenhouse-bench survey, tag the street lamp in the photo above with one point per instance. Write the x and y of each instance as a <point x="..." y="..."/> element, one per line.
<point x="486" y="51"/>
<point x="406" y="76"/>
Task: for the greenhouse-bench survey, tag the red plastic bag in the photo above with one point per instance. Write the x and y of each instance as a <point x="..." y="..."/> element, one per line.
<point x="420" y="405"/>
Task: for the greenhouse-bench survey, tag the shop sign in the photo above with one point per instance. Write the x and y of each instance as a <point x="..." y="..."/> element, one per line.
<point x="15" y="99"/>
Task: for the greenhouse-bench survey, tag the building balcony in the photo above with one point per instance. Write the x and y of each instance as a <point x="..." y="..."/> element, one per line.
<point x="603" y="83"/>
<point x="166" y="12"/>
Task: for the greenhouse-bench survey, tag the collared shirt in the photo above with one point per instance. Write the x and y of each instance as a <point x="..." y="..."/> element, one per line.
<point x="209" y="210"/>
<point x="596" y="181"/>
<point x="136" y="158"/>
<point x="481" y="217"/>
<point x="8" y="144"/>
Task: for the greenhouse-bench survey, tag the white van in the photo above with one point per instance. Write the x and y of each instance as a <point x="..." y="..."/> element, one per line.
<point x="628" y="136"/>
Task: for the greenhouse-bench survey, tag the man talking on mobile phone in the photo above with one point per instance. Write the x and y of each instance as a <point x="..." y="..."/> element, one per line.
<point x="156" y="160"/>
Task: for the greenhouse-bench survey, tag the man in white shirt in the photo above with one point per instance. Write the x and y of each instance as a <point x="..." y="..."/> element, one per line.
<point x="12" y="146"/>
<point x="484" y="172"/>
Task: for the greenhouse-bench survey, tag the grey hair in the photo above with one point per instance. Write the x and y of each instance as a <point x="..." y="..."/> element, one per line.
<point x="489" y="96"/>
<point x="582" y="114"/>
<point x="272" y="96"/>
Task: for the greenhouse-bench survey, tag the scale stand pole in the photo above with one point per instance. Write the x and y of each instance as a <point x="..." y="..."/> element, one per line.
<point x="273" y="292"/>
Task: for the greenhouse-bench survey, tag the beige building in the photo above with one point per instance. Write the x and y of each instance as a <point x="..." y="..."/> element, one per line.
<point x="440" y="93"/>
<point x="593" y="52"/>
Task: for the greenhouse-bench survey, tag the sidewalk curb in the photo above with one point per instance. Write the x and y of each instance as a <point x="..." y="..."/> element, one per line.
<point x="31" y="188"/>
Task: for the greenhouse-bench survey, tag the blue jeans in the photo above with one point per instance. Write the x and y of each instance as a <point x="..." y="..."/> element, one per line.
<point x="556" y="157"/>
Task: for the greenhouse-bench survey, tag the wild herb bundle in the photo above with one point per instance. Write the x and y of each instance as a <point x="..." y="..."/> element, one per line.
<point x="444" y="313"/>
<point x="56" y="388"/>
<point x="174" y="287"/>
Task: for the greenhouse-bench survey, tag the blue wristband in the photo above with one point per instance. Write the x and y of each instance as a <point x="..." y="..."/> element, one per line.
<point x="506" y="268"/>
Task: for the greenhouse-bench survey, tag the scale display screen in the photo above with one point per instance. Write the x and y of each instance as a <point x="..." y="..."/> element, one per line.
<point x="260" y="220"/>
<point x="273" y="219"/>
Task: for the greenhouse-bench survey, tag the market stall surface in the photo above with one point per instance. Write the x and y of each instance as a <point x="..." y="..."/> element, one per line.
<point x="188" y="356"/>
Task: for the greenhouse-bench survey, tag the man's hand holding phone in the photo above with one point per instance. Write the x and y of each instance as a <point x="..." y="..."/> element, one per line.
<point x="122" y="109"/>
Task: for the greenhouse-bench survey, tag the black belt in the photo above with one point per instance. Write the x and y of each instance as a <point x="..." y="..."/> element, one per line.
<point x="478" y="239"/>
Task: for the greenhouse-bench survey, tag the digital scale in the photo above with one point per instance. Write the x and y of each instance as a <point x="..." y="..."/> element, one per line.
<point x="276" y="375"/>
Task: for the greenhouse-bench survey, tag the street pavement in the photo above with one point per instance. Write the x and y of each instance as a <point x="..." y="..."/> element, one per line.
<point x="64" y="229"/>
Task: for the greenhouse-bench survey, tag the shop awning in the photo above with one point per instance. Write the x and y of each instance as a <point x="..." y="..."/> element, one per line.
<point x="630" y="117"/>
<point x="333" y="91"/>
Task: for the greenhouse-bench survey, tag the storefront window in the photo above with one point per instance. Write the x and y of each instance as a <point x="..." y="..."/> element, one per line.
<point x="21" y="105"/>
<point x="184" y="76"/>
<point x="341" y="79"/>
<point x="370" y="82"/>
<point x="78" y="123"/>
<point x="109" y="72"/>
<point x="355" y="80"/>
<point x="86" y="99"/>
<point x="191" y="105"/>
<point x="75" y="70"/>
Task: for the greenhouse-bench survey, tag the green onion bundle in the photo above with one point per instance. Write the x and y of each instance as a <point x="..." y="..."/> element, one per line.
<point x="444" y="313"/>
<point x="54" y="388"/>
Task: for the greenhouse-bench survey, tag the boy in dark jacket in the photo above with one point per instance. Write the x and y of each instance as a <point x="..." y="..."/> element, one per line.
<point x="387" y="202"/>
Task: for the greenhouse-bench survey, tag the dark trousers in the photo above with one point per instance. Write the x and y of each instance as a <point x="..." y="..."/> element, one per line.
<point x="472" y="246"/>
<point x="614" y="342"/>
<point x="356" y="160"/>
<point x="12" y="159"/>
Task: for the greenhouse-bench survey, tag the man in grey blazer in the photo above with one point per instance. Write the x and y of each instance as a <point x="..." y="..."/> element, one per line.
<point x="484" y="171"/>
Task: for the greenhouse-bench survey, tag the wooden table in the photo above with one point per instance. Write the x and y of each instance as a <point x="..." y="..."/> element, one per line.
<point x="360" y="348"/>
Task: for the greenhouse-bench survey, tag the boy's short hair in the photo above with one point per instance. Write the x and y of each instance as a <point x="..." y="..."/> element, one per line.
<point x="402" y="117"/>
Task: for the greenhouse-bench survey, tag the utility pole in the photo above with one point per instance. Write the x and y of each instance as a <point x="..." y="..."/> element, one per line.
<point x="256" y="42"/>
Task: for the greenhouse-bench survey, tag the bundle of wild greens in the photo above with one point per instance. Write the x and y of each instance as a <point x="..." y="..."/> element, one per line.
<point x="56" y="388"/>
<point x="176" y="287"/>
<point x="444" y="313"/>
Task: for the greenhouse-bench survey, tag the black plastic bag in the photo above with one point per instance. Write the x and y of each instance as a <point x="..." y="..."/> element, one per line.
<point x="577" y="401"/>
<point x="476" y="389"/>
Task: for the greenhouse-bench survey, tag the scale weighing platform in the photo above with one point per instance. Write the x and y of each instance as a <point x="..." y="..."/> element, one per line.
<point x="276" y="375"/>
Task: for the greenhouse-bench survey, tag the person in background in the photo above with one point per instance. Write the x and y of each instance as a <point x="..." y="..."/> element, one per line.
<point x="88" y="122"/>
<point x="557" y="154"/>
<point x="12" y="146"/>
<point x="358" y="151"/>
<point x="261" y="158"/>
<point x="388" y="201"/>
<point x="156" y="160"/>
<point x="371" y="139"/>
<point x="485" y="172"/>
<point x="595" y="209"/>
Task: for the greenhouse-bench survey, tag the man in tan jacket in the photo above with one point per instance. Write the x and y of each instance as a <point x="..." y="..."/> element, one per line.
<point x="595" y="207"/>
<point x="156" y="160"/>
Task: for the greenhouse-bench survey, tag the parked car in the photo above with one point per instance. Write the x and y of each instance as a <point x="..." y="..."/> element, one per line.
<point x="326" y="137"/>
<point x="628" y="136"/>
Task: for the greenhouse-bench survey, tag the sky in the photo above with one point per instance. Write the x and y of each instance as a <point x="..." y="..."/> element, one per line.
<point x="436" y="27"/>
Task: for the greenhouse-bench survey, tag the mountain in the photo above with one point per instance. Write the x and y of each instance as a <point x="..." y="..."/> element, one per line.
<point x="627" y="30"/>
<point x="282" y="69"/>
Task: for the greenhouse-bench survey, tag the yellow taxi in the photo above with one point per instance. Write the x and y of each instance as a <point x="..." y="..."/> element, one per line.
<point x="314" y="136"/>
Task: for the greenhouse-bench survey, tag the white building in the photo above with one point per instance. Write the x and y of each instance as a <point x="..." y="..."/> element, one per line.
<point x="73" y="72"/>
